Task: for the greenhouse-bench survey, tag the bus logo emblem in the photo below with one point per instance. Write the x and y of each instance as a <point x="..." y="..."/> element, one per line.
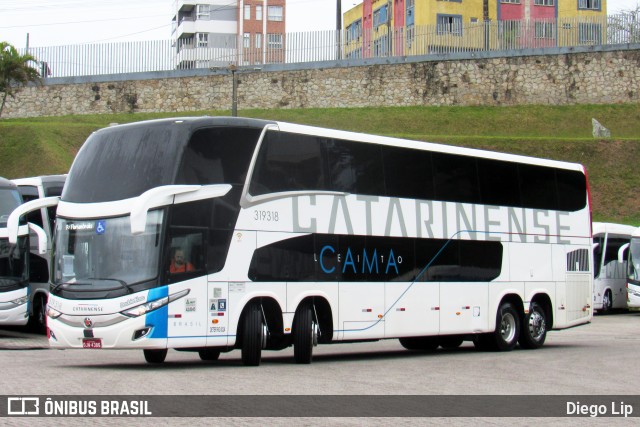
<point x="88" y="322"/>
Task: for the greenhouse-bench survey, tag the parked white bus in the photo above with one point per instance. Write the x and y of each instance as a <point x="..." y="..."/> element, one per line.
<point x="633" y="276"/>
<point x="37" y="188"/>
<point x="18" y="265"/>
<point x="296" y="235"/>
<point x="14" y="284"/>
<point x="610" y="241"/>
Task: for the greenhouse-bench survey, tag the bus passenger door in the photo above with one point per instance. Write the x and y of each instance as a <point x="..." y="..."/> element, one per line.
<point x="217" y="314"/>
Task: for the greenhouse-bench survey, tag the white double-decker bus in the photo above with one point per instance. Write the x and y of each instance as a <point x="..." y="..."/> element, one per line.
<point x="296" y="235"/>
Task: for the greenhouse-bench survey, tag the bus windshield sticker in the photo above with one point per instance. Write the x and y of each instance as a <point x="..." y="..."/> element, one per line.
<point x="101" y="226"/>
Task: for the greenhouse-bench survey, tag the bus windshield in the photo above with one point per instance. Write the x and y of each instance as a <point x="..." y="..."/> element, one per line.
<point x="9" y="200"/>
<point x="13" y="264"/>
<point x="634" y="260"/>
<point x="103" y="255"/>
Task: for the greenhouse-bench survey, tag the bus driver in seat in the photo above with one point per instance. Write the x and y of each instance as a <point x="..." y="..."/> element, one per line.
<point x="179" y="264"/>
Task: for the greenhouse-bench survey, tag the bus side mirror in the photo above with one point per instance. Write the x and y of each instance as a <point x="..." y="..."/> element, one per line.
<point x="14" y="219"/>
<point x="42" y="238"/>
<point x="621" y="252"/>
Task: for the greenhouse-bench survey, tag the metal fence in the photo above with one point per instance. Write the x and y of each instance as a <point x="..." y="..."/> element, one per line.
<point x="302" y="47"/>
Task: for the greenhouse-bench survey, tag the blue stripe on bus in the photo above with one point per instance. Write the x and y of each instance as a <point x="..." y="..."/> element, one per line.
<point x="158" y="318"/>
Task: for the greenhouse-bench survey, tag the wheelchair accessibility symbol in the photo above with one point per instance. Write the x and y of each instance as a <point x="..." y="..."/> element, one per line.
<point x="101" y="227"/>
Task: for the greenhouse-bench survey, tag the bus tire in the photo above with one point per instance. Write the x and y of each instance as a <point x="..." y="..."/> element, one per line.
<point x="420" y="343"/>
<point x="305" y="334"/>
<point x="534" y="327"/>
<point x="38" y="320"/>
<point x="209" y="354"/>
<point x="507" y="328"/>
<point x="451" y="341"/>
<point x="155" y="356"/>
<point x="252" y="336"/>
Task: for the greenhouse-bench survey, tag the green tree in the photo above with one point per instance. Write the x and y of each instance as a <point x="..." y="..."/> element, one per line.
<point x="15" y="71"/>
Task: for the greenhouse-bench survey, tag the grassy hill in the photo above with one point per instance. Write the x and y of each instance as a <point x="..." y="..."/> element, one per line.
<point x="47" y="145"/>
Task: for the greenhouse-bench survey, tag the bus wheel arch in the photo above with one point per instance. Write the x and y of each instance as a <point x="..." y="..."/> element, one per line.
<point x="312" y="324"/>
<point x="507" y="326"/>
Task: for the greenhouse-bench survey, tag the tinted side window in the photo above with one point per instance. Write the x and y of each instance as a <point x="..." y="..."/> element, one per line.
<point x="498" y="183"/>
<point x="408" y="173"/>
<point x="355" y="167"/>
<point x="287" y="260"/>
<point x="597" y="255"/>
<point x="289" y="162"/>
<point x="455" y="178"/>
<point x="326" y="258"/>
<point x="572" y="190"/>
<point x="538" y="187"/>
<point x="459" y="260"/>
<point x="218" y="156"/>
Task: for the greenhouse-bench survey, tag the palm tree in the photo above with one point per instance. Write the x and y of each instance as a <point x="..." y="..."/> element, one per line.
<point x="15" y="71"/>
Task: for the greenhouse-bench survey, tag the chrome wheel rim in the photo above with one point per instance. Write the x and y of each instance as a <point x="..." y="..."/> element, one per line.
<point x="508" y="327"/>
<point x="537" y="326"/>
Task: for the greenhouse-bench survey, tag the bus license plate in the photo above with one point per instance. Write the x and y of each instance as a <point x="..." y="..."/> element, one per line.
<point x="92" y="343"/>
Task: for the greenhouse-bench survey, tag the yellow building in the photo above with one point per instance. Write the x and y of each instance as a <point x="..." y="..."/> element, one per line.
<point x="412" y="27"/>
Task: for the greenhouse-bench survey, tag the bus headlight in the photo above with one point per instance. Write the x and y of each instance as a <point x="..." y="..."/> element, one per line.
<point x="53" y="313"/>
<point x="21" y="300"/>
<point x="145" y="308"/>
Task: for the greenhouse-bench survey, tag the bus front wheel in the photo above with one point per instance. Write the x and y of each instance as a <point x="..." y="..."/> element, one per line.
<point x="253" y="336"/>
<point x="209" y="354"/>
<point x="507" y="327"/>
<point x="305" y="335"/>
<point x="507" y="332"/>
<point x="155" y="356"/>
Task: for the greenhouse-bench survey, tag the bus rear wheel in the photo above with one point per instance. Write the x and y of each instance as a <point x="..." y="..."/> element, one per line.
<point x="507" y="332"/>
<point x="534" y="328"/>
<point x="155" y="356"/>
<point x="305" y="334"/>
<point x="253" y="335"/>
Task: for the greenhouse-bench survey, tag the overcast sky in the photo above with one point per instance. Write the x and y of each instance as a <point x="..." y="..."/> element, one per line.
<point x="65" y="22"/>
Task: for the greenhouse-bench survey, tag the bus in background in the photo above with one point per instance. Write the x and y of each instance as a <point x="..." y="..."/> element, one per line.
<point x="38" y="188"/>
<point x="14" y="261"/>
<point x="610" y="241"/>
<point x="633" y="270"/>
<point x="213" y="234"/>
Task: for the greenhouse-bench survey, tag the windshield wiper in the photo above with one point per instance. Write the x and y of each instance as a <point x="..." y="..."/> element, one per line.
<point x="55" y="288"/>
<point x="122" y="282"/>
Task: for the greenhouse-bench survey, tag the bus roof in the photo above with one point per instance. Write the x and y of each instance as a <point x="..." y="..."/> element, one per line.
<point x="611" y="228"/>
<point x="193" y="123"/>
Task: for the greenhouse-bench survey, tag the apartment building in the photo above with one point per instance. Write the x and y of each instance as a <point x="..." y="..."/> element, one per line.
<point x="217" y="33"/>
<point x="409" y="27"/>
